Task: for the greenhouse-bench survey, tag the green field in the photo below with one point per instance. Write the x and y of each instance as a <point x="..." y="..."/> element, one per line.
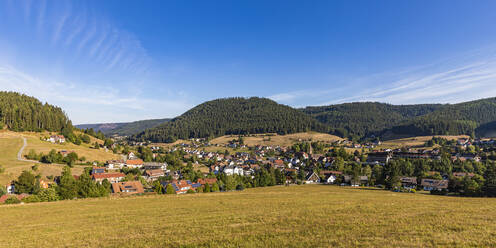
<point x="296" y="216"/>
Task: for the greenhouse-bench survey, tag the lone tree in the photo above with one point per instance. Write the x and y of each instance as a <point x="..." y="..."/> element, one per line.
<point x="169" y="189"/>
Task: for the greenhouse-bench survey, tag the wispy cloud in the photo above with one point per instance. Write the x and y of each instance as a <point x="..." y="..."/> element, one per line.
<point x="461" y="78"/>
<point x="75" y="97"/>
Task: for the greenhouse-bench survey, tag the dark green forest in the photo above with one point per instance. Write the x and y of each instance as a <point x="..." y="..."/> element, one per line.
<point x="124" y="128"/>
<point x="365" y="118"/>
<point x="19" y="112"/>
<point x="233" y="116"/>
<point x="362" y="120"/>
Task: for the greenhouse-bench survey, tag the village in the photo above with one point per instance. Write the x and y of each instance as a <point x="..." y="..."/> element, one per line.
<point x="449" y="166"/>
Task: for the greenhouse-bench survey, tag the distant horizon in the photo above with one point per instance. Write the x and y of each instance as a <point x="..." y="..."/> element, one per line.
<point x="121" y="61"/>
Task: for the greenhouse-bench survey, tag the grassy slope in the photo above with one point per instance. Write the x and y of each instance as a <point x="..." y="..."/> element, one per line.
<point x="418" y="141"/>
<point x="296" y="216"/>
<point x="281" y="140"/>
<point x="11" y="142"/>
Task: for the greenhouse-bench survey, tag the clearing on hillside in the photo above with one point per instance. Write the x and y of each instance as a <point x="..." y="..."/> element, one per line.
<point x="275" y="139"/>
<point x="418" y="141"/>
<point x="12" y="142"/>
<point x="295" y="216"/>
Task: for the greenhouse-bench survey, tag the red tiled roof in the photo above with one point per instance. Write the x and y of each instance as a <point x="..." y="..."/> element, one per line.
<point x="134" y="161"/>
<point x="107" y="175"/>
<point x="122" y="187"/>
<point x="207" y="180"/>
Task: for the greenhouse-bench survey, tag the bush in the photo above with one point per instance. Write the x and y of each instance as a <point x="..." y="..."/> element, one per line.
<point x="190" y="191"/>
<point x="12" y="200"/>
<point x="413" y="191"/>
<point x="31" y="199"/>
<point x="240" y="187"/>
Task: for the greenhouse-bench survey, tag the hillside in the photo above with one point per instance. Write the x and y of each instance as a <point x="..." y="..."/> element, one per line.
<point x="19" y="112"/>
<point x="368" y="119"/>
<point x="296" y="216"/>
<point x="12" y="142"/>
<point x="233" y="116"/>
<point x="124" y="128"/>
<point x="278" y="140"/>
<point x="365" y="118"/>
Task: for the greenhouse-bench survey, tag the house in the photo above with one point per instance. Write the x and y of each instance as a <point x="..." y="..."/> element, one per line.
<point x="132" y="187"/>
<point x="45" y="184"/>
<point x="10" y="188"/>
<point x="210" y="181"/>
<point x="432" y="184"/>
<point x="463" y="174"/>
<point x="330" y="176"/>
<point x="134" y="163"/>
<point x="182" y="186"/>
<point x="111" y="177"/>
<point x="233" y="170"/>
<point x="330" y="179"/>
<point x="312" y="177"/>
<point x="131" y="155"/>
<point x="379" y="158"/>
<point x="409" y="182"/>
<point x="97" y="170"/>
<point x="115" y="164"/>
<point x="56" y="139"/>
<point x="155" y="166"/>
<point x="364" y="180"/>
<point x="151" y="175"/>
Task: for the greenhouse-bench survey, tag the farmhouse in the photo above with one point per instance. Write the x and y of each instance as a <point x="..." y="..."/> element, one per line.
<point x="134" y="163"/>
<point x="132" y="187"/>
<point x="182" y="186"/>
<point x="56" y="139"/>
<point x="151" y="175"/>
<point x="111" y="177"/>
<point x="115" y="164"/>
<point x="312" y="177"/>
<point x="408" y="182"/>
<point x="431" y="184"/>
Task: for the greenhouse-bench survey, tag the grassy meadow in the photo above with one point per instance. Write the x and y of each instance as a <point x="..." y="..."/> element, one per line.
<point x="11" y="143"/>
<point x="296" y="216"/>
<point x="280" y="140"/>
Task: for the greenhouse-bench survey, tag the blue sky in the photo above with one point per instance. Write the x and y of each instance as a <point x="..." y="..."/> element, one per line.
<point x="113" y="61"/>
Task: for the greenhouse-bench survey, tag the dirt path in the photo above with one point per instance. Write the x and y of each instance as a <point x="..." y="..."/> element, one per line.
<point x="19" y="154"/>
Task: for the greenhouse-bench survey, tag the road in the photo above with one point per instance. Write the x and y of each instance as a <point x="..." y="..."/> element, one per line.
<point x="19" y="154"/>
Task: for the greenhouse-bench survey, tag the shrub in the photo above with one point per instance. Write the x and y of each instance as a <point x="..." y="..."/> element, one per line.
<point x="190" y="191"/>
<point x="31" y="199"/>
<point x="12" y="200"/>
<point x="240" y="187"/>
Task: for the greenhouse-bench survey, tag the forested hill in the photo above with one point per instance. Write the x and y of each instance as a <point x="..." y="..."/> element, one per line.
<point x="476" y="118"/>
<point x="19" y="112"/>
<point x="124" y="128"/>
<point x="366" y="119"/>
<point x="233" y="116"/>
<point x="363" y="118"/>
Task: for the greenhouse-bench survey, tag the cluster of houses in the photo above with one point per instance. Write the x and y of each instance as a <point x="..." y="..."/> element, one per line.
<point x="56" y="139"/>
<point x="383" y="157"/>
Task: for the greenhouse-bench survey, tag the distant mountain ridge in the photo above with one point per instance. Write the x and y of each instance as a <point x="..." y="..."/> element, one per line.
<point x="124" y="128"/>
<point x="357" y="121"/>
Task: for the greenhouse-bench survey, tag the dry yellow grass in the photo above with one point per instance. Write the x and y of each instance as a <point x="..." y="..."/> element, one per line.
<point x="296" y="216"/>
<point x="281" y="140"/>
<point x="11" y="142"/>
<point x="416" y="141"/>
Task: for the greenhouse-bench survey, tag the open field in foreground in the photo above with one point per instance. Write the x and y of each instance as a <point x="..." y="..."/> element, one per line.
<point x="296" y="216"/>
